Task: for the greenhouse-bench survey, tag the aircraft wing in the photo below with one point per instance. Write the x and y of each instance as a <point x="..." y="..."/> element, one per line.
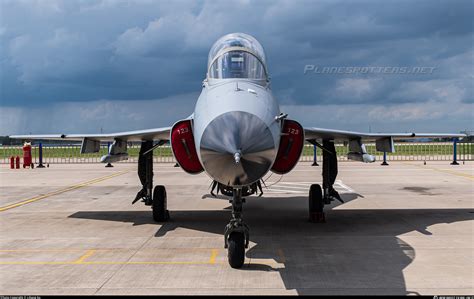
<point x="140" y="135"/>
<point x="339" y="135"/>
<point x="384" y="142"/>
<point x="117" y="150"/>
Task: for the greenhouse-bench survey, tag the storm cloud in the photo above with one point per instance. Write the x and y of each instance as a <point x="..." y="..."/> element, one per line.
<point x="138" y="64"/>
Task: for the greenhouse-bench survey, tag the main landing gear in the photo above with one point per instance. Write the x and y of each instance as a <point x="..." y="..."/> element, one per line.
<point x="318" y="196"/>
<point x="236" y="236"/>
<point x="156" y="198"/>
<point x="160" y="213"/>
<point x="316" y="204"/>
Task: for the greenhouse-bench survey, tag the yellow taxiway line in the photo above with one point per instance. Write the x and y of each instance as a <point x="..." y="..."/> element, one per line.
<point x="74" y="187"/>
<point x="90" y="252"/>
<point x="82" y="260"/>
<point x="214" y="253"/>
<point x="105" y="263"/>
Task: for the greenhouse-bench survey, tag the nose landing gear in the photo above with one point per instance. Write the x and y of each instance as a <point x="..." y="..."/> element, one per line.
<point x="236" y="236"/>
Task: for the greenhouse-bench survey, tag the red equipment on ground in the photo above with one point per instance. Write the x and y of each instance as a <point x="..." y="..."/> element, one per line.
<point x="17" y="162"/>
<point x="27" y="155"/>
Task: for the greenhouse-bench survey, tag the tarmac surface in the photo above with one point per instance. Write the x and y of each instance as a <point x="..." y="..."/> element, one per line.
<point x="406" y="228"/>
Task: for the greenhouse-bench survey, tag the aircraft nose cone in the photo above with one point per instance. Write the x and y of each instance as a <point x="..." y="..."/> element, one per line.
<point x="237" y="148"/>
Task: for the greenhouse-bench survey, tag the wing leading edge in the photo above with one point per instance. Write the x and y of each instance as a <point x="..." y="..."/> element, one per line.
<point x="340" y="135"/>
<point x="139" y="135"/>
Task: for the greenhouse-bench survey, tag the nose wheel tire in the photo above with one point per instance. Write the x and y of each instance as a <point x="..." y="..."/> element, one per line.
<point x="236" y="250"/>
<point x="316" y="204"/>
<point x="160" y="213"/>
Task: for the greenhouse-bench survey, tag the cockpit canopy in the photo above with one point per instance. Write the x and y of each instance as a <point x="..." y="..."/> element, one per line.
<point x="237" y="55"/>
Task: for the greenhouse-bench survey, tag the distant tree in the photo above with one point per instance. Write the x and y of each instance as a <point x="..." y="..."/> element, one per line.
<point x="5" y="140"/>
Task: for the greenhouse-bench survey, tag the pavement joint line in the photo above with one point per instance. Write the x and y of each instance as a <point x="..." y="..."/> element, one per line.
<point x="107" y="263"/>
<point x="97" y="249"/>
<point x="106" y="281"/>
<point x="255" y="262"/>
<point x="53" y="193"/>
<point x="465" y="175"/>
<point x="90" y="252"/>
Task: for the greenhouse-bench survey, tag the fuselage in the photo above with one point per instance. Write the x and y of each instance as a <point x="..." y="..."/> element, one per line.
<point x="235" y="126"/>
<point x="236" y="117"/>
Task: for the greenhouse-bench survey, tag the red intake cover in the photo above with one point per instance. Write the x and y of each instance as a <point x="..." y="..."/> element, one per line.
<point x="184" y="149"/>
<point x="291" y="146"/>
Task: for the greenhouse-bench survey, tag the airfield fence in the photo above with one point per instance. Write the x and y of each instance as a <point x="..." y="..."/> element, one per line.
<point x="406" y="151"/>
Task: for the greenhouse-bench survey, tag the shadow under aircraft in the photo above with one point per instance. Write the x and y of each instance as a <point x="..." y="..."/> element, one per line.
<point x="357" y="251"/>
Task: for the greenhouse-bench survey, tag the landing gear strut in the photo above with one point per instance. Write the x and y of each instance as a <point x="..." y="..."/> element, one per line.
<point x="318" y="196"/>
<point x="229" y="191"/>
<point x="236" y="234"/>
<point x="156" y="198"/>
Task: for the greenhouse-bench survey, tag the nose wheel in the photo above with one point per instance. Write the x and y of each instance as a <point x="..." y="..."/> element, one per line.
<point x="236" y="250"/>
<point x="236" y="234"/>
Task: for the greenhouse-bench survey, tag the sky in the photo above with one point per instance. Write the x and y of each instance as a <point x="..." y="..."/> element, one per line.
<point x="91" y="66"/>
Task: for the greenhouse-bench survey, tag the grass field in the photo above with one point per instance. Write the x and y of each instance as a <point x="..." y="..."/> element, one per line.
<point x="424" y="149"/>
<point x="404" y="149"/>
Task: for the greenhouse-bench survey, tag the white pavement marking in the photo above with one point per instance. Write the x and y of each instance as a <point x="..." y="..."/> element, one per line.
<point x="344" y="186"/>
<point x="296" y="183"/>
<point x="274" y="190"/>
<point x="302" y="187"/>
<point x="292" y="187"/>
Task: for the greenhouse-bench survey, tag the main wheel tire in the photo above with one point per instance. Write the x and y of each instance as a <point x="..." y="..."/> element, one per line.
<point x="236" y="250"/>
<point x="316" y="203"/>
<point x="160" y="213"/>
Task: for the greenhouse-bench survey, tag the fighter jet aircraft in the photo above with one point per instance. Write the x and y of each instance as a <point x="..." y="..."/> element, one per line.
<point x="237" y="134"/>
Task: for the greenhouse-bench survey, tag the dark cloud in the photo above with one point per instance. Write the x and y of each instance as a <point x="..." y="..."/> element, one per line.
<point x="83" y="51"/>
